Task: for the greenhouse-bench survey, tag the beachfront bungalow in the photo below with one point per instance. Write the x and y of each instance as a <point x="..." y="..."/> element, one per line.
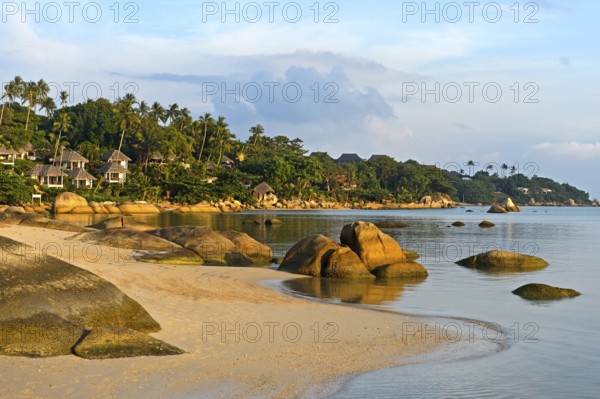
<point x="113" y="172"/>
<point x="349" y="158"/>
<point x="8" y="156"/>
<point x="70" y="160"/>
<point x="264" y="193"/>
<point x="81" y="178"/>
<point x="48" y="175"/>
<point x="117" y="156"/>
<point x="378" y="157"/>
<point x="227" y="162"/>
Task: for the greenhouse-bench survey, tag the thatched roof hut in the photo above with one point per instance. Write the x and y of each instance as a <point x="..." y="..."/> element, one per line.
<point x="349" y="158"/>
<point x="263" y="189"/>
<point x="115" y="156"/>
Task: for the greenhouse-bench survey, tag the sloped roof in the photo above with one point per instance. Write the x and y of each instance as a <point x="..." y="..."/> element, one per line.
<point x="379" y="156"/>
<point x="45" y="171"/>
<point x="112" y="167"/>
<point x="116" y="155"/>
<point x="349" y="158"/>
<point x="264" y="188"/>
<point x="26" y="148"/>
<point x="80" y="174"/>
<point x="211" y="165"/>
<point x="226" y="159"/>
<point x="7" y="151"/>
<point x="72" y="156"/>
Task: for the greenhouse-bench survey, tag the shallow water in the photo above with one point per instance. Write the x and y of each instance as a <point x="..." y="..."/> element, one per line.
<point x="554" y="350"/>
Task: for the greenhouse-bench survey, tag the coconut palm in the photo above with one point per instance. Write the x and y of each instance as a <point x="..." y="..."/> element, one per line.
<point x="128" y="117"/>
<point x="62" y="124"/>
<point x="12" y="91"/>
<point x="257" y="132"/>
<point x="172" y="113"/>
<point x="206" y="121"/>
<point x="157" y="112"/>
<point x="49" y="105"/>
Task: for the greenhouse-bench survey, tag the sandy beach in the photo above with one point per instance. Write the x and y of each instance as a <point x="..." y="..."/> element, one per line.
<point x="241" y="338"/>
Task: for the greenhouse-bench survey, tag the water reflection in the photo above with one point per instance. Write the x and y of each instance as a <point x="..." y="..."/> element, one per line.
<point x="348" y="291"/>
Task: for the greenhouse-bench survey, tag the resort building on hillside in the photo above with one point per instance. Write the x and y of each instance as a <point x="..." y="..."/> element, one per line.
<point x="70" y="160"/>
<point x="349" y="158"/>
<point x="81" y="178"/>
<point x="113" y="172"/>
<point x="48" y="175"/>
<point x="116" y="168"/>
<point x="117" y="156"/>
<point x="8" y="156"/>
<point x="27" y="152"/>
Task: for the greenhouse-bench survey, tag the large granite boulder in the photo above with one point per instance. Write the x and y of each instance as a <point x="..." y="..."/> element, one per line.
<point x="258" y="252"/>
<point x="40" y="221"/>
<point x="497" y="209"/>
<point x="60" y="306"/>
<point x="137" y="208"/>
<point x="123" y="221"/>
<point x="372" y="246"/>
<point x="345" y="264"/>
<point x="212" y="246"/>
<point x="309" y="256"/>
<point x="498" y="261"/>
<point x="509" y="205"/>
<point x="126" y="238"/>
<point x="67" y="202"/>
<point x="543" y="292"/>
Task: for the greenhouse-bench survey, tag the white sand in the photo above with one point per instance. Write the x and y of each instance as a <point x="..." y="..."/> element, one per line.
<point x="275" y="352"/>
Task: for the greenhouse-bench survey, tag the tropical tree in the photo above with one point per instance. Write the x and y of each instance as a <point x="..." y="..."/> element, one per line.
<point x="172" y="113"/>
<point x="257" y="132"/>
<point x="63" y="124"/>
<point x="206" y="121"/>
<point x="128" y="117"/>
<point x="12" y="91"/>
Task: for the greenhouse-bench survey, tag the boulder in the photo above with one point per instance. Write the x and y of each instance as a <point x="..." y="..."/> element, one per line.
<point x="543" y="292"/>
<point x="138" y="209"/>
<point x="39" y="221"/>
<point x="213" y="247"/>
<point x="391" y="225"/>
<point x="486" y="224"/>
<point x="123" y="221"/>
<point x="411" y="255"/>
<point x="510" y="206"/>
<point x="61" y="304"/>
<point x="98" y="208"/>
<point x="400" y="270"/>
<point x="343" y="263"/>
<point x="113" y="210"/>
<point x="16" y="209"/>
<point x="180" y="256"/>
<point x="458" y="224"/>
<point x="309" y="256"/>
<point x="372" y="246"/>
<point x="258" y="252"/>
<point x="497" y="261"/>
<point x="82" y="210"/>
<point x="126" y="238"/>
<point x="497" y="209"/>
<point x="66" y="202"/>
<point x="204" y="208"/>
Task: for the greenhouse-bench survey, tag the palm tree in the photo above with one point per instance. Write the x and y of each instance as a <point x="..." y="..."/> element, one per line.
<point x="12" y="90"/>
<point x="172" y="113"/>
<point x="63" y="124"/>
<point x="49" y="105"/>
<point x="157" y="112"/>
<point x="128" y="117"/>
<point x="504" y="168"/>
<point x="207" y="121"/>
<point x="29" y="96"/>
<point x="257" y="131"/>
<point x="143" y="109"/>
<point x="64" y="96"/>
<point x="223" y="137"/>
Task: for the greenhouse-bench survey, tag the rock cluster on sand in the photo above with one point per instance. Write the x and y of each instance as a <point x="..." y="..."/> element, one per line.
<point x="506" y="207"/>
<point x="498" y="261"/>
<point x="51" y="308"/>
<point x="39" y="221"/>
<point x="543" y="292"/>
<point x="365" y="252"/>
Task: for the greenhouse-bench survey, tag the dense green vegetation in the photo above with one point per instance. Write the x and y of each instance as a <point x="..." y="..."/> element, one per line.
<point x="179" y="158"/>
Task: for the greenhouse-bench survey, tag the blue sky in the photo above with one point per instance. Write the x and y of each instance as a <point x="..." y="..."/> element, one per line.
<point x="357" y="74"/>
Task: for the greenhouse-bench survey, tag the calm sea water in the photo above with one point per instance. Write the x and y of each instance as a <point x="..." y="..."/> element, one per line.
<point x="554" y="350"/>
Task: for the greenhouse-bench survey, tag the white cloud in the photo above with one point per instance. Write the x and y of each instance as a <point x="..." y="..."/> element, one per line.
<point x="570" y="149"/>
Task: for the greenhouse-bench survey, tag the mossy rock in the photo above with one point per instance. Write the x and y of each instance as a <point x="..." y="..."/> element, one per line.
<point x="115" y="343"/>
<point x="543" y="292"/>
<point x="174" y="257"/>
<point x="498" y="261"/>
<point x="458" y="224"/>
<point x="411" y="255"/>
<point x="391" y="225"/>
<point x="486" y="224"/>
<point x="400" y="270"/>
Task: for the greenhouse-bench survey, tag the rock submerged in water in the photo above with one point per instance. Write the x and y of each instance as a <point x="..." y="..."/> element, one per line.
<point x="400" y="270"/>
<point x="506" y="207"/>
<point x="46" y="294"/>
<point x="391" y="225"/>
<point x="370" y="251"/>
<point x="543" y="292"/>
<point x="486" y="224"/>
<point x="458" y="224"/>
<point x="497" y="261"/>
<point x="411" y="255"/>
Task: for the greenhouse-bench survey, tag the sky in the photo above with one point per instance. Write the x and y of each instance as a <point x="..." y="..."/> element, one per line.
<point x="438" y="82"/>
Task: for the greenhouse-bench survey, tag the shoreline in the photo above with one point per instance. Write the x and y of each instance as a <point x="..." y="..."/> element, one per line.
<point x="200" y="309"/>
